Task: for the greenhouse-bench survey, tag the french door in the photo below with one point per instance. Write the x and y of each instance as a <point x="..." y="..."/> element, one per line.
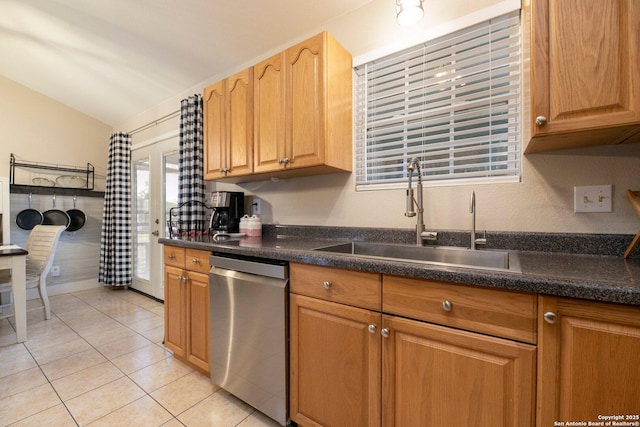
<point x="155" y="191"/>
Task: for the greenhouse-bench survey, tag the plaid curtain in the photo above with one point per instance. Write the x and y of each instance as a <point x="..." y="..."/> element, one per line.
<point x="191" y="165"/>
<point x="115" y="240"/>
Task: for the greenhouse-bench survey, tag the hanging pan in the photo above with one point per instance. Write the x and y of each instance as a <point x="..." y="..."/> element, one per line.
<point x="29" y="218"/>
<point x="78" y="218"/>
<point x="56" y="216"/>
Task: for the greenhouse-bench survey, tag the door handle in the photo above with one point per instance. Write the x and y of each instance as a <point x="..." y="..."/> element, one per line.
<point x="156" y="233"/>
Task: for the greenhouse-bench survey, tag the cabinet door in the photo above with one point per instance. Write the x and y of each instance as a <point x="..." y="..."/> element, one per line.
<point x="268" y="113"/>
<point x="588" y="360"/>
<point x="585" y="70"/>
<point x="438" y="376"/>
<point x="334" y="364"/>
<point x="198" y="321"/>
<point x="239" y="94"/>
<point x="305" y="103"/>
<point x="214" y="131"/>
<point x="174" y="311"/>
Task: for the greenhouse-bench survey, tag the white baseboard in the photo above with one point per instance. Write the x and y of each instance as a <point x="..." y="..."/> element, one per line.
<point x="65" y="288"/>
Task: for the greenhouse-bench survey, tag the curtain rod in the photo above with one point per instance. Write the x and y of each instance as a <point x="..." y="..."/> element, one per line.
<point x="155" y="122"/>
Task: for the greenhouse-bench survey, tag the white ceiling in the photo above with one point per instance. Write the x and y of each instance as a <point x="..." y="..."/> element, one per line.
<point x="113" y="59"/>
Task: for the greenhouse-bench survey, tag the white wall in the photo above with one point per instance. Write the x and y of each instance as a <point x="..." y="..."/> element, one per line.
<point x="543" y="201"/>
<point x="36" y="128"/>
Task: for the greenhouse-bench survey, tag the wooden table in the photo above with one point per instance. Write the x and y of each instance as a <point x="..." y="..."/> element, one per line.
<point x="14" y="258"/>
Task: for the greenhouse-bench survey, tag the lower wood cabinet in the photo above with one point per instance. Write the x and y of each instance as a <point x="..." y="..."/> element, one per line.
<point x="335" y="364"/>
<point x="186" y="305"/>
<point x="589" y="361"/>
<point x="351" y="364"/>
<point x="439" y="376"/>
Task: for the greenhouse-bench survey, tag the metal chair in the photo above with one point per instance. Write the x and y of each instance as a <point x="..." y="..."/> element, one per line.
<point x="41" y="245"/>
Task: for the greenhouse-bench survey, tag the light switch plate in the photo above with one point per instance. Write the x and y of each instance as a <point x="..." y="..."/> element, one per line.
<point x="594" y="198"/>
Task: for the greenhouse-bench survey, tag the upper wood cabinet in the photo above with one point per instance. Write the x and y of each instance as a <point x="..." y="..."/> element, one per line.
<point x="228" y="126"/>
<point x="301" y="120"/>
<point x="268" y="114"/>
<point x="582" y="73"/>
<point x="587" y="360"/>
<point x="318" y="97"/>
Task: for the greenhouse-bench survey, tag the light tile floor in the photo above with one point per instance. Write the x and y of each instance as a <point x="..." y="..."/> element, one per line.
<point x="99" y="361"/>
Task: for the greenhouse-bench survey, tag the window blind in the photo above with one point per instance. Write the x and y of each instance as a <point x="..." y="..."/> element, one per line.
<point x="454" y="102"/>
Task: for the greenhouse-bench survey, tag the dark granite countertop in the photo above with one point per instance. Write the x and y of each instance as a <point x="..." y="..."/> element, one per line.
<point x="593" y="277"/>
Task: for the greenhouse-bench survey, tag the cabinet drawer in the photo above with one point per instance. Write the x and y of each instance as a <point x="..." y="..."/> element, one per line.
<point x="197" y="260"/>
<point x="495" y="312"/>
<point x="174" y="256"/>
<point x="356" y="288"/>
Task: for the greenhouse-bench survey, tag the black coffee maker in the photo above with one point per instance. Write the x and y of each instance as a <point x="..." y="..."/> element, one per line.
<point x="228" y="208"/>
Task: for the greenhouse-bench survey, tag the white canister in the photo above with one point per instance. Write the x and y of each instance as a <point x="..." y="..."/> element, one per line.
<point x="244" y="224"/>
<point x="255" y="227"/>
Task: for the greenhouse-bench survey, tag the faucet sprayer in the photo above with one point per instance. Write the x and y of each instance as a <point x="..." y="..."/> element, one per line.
<point x="413" y="165"/>
<point x="421" y="234"/>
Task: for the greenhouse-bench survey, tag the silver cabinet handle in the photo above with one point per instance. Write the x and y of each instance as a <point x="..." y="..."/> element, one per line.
<point x="550" y="317"/>
<point x="372" y="329"/>
<point x="385" y="332"/>
<point x="171" y="256"/>
<point x="195" y="261"/>
<point x="446" y="305"/>
<point x="326" y="284"/>
<point x="540" y="120"/>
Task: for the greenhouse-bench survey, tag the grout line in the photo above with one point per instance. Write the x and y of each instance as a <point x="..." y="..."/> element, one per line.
<point x="94" y="304"/>
<point x="103" y="355"/>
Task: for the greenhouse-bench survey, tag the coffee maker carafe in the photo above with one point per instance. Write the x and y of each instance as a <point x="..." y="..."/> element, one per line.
<point x="228" y="208"/>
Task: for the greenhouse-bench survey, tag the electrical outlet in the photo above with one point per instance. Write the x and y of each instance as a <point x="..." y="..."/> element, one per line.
<point x="55" y="271"/>
<point x="255" y="206"/>
<point x="594" y="198"/>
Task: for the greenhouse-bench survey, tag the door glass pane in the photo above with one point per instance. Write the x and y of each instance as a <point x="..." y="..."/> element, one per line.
<point x="170" y="186"/>
<point x="141" y="220"/>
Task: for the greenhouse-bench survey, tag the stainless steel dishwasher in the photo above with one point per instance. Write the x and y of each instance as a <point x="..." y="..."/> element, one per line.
<point x="248" y="327"/>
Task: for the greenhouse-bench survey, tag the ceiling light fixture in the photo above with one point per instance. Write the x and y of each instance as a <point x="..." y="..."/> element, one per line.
<point x="409" y="12"/>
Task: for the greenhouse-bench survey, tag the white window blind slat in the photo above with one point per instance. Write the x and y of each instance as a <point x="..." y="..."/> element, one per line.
<point x="453" y="102"/>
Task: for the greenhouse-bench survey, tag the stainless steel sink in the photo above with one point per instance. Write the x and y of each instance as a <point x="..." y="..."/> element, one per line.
<point x="438" y="255"/>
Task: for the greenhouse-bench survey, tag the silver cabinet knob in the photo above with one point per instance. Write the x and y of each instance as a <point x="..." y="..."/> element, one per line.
<point x="326" y="284"/>
<point x="550" y="317"/>
<point x="446" y="305"/>
<point x="540" y="120"/>
<point x="372" y="329"/>
<point x="171" y="256"/>
<point x="385" y="332"/>
<point x="195" y="261"/>
<point x="182" y="278"/>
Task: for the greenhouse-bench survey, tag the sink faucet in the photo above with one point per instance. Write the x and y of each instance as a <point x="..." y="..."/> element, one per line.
<point x="472" y="211"/>
<point x="421" y="234"/>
